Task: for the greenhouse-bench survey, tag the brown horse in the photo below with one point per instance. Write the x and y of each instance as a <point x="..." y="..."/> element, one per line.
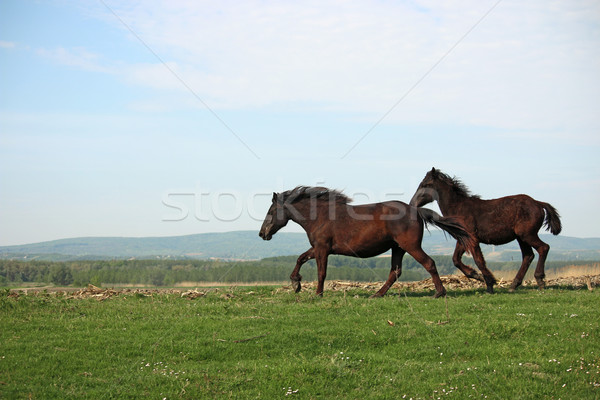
<point x="335" y="227"/>
<point x="496" y="221"/>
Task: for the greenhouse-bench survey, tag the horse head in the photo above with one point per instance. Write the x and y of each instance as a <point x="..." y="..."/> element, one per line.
<point x="426" y="192"/>
<point x="277" y="217"/>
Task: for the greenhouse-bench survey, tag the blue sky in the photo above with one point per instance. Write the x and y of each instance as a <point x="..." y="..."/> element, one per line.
<point x="168" y="118"/>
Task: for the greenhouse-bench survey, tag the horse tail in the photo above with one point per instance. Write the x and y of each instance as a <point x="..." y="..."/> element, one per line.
<point x="552" y="219"/>
<point x="451" y="225"/>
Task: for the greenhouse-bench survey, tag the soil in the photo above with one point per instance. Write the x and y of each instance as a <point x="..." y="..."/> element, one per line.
<point x="451" y="282"/>
<point x="456" y="282"/>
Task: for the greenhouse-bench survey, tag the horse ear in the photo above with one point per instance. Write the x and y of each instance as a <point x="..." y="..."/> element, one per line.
<point x="274" y="197"/>
<point x="434" y="171"/>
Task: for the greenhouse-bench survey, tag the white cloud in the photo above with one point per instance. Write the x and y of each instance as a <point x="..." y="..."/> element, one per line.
<point x="7" y="45"/>
<point x="525" y="66"/>
<point x="77" y="58"/>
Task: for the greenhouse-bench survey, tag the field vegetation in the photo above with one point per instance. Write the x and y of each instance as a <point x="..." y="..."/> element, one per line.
<point x="169" y="273"/>
<point x="268" y="342"/>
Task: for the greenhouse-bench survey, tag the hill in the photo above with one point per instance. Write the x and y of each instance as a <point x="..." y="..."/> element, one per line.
<point x="246" y="245"/>
<point x="237" y="245"/>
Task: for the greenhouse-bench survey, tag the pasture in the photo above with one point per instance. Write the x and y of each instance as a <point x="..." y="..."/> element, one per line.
<point x="268" y="342"/>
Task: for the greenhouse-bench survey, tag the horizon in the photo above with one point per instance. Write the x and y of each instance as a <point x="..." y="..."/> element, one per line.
<point x="162" y="119"/>
<point x="431" y="231"/>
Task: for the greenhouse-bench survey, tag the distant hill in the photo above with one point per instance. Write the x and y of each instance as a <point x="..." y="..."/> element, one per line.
<point x="237" y="245"/>
<point x="246" y="245"/>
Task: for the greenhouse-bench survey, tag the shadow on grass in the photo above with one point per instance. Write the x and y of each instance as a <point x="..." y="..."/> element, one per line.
<point x="567" y="287"/>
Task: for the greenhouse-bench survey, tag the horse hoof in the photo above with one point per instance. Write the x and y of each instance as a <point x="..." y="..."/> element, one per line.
<point x="375" y="296"/>
<point x="297" y="286"/>
<point x="490" y="290"/>
<point x="541" y="284"/>
<point x="439" y="294"/>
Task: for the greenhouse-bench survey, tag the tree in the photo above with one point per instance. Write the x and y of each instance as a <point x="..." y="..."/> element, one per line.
<point x="61" y="275"/>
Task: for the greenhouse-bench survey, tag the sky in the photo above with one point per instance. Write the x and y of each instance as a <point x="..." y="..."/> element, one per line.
<point x="165" y="118"/>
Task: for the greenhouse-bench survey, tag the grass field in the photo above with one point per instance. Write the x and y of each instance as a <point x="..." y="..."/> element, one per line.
<point x="264" y="342"/>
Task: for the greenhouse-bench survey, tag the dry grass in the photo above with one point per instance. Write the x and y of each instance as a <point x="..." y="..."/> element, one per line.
<point x="225" y="284"/>
<point x="569" y="271"/>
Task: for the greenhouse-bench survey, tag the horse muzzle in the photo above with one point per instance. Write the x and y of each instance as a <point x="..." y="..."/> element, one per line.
<point x="423" y="196"/>
<point x="265" y="236"/>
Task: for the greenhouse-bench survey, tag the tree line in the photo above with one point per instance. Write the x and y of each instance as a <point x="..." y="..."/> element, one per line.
<point x="171" y="272"/>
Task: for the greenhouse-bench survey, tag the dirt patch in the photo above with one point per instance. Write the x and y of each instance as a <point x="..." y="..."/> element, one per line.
<point x="451" y="282"/>
<point x="100" y="294"/>
<point x="455" y="282"/>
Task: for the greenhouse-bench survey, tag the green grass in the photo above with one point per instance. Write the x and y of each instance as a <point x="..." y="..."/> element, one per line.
<point x="264" y="343"/>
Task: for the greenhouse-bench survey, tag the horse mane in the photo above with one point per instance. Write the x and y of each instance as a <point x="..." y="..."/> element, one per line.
<point x="309" y="192"/>
<point x="456" y="184"/>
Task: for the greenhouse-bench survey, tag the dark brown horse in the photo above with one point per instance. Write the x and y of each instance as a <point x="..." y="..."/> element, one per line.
<point x="496" y="221"/>
<point x="335" y="227"/>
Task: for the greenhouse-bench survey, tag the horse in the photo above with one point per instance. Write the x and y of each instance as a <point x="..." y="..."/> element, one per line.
<point x="495" y="221"/>
<point x="333" y="226"/>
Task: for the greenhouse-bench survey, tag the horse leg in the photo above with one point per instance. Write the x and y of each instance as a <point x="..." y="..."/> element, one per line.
<point x="427" y="262"/>
<point x="395" y="271"/>
<point x="469" y="272"/>
<point x="295" y="276"/>
<point x="321" y="257"/>
<point x="488" y="277"/>
<point x="527" y="253"/>
<point x="542" y="248"/>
